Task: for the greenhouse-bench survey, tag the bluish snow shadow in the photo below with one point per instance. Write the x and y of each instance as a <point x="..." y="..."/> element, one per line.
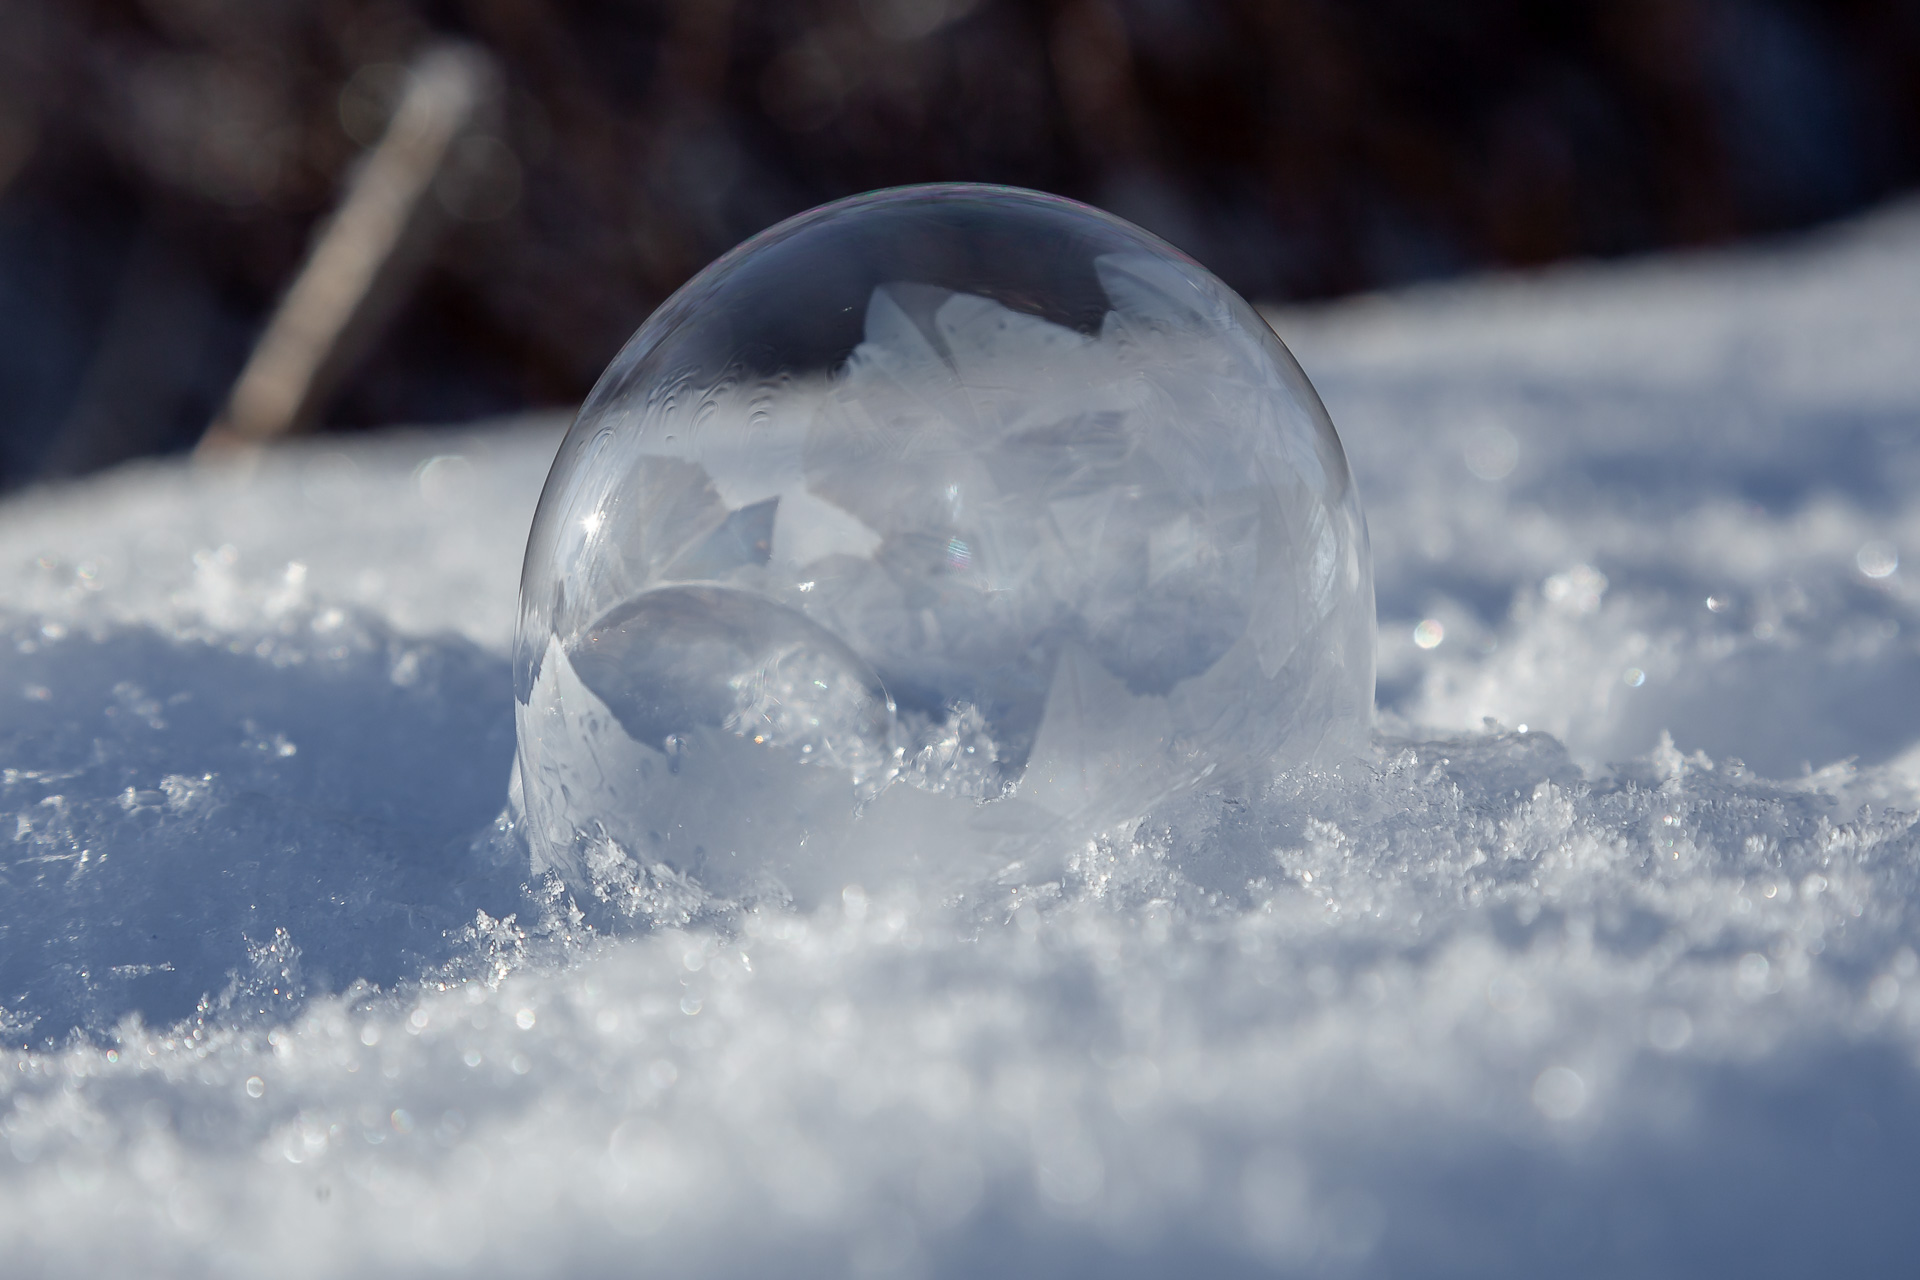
<point x="1689" y="1189"/>
<point x="242" y="825"/>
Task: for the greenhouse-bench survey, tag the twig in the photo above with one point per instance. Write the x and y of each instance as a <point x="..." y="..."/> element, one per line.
<point x="363" y="260"/>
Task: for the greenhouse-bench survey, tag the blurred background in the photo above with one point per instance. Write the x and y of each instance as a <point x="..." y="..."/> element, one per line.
<point x="166" y="165"/>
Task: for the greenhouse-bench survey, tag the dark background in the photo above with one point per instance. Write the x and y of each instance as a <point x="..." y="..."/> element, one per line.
<point x="164" y="162"/>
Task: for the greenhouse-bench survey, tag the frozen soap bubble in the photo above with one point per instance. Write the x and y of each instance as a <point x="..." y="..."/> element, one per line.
<point x="931" y="532"/>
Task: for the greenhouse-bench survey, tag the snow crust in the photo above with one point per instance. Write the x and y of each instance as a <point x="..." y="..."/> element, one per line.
<point x="1587" y="998"/>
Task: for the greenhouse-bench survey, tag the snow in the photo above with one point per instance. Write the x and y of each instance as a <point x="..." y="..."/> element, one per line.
<point x="1587" y="998"/>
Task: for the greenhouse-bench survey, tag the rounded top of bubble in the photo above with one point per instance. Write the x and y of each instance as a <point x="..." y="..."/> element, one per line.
<point x="953" y="492"/>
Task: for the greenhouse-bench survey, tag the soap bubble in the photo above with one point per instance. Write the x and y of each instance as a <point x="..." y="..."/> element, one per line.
<point x="925" y="536"/>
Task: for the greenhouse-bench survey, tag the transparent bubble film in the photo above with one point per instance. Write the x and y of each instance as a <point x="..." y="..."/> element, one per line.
<point x="926" y="536"/>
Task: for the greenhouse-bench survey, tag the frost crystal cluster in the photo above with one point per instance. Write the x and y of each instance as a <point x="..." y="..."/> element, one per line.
<point x="928" y="533"/>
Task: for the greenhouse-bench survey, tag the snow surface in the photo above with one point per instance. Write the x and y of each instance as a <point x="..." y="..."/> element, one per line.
<point x="1591" y="998"/>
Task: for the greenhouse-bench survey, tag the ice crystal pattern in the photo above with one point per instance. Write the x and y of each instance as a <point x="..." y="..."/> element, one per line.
<point x="952" y="525"/>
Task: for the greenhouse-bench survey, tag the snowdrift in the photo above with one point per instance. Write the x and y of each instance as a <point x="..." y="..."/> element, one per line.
<point x="1606" y="966"/>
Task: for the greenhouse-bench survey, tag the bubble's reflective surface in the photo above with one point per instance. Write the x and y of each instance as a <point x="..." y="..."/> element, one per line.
<point x="930" y="532"/>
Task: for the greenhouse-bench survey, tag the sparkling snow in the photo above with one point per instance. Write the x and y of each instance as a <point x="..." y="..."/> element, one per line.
<point x="1588" y="997"/>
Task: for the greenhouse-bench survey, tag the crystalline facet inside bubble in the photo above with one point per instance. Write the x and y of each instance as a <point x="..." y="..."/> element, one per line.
<point x="987" y="585"/>
<point x="686" y="660"/>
